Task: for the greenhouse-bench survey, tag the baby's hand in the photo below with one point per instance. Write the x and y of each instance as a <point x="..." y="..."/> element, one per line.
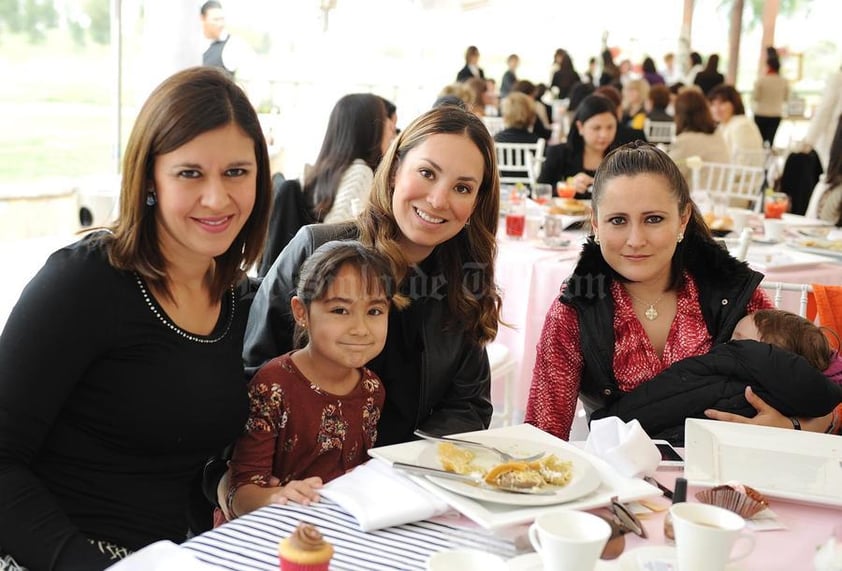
<point x="302" y="491"/>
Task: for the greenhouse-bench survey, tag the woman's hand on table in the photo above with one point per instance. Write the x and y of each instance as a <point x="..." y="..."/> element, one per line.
<point x="581" y="182"/>
<point x="770" y="416"/>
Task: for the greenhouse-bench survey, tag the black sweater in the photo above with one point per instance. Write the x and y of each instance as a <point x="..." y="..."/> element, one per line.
<point x="107" y="413"/>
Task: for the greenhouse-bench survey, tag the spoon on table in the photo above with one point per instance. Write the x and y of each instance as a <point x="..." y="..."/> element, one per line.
<point x="505" y="456"/>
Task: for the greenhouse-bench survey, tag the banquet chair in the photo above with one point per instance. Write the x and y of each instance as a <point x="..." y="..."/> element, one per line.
<point x="519" y="162"/>
<point x="503" y="371"/>
<point x="739" y="183"/>
<point x="776" y="289"/>
<point x="659" y="131"/>
<point x="493" y="124"/>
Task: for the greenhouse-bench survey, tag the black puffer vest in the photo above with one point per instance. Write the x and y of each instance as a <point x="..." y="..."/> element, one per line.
<point x="725" y="288"/>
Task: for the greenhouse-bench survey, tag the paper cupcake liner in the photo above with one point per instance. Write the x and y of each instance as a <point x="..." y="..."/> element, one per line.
<point x="746" y="504"/>
<point x="287" y="565"/>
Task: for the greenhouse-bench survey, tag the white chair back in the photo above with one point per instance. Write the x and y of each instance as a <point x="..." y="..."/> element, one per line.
<point x="519" y="161"/>
<point x="493" y="124"/>
<point x="659" y="131"/>
<point x="777" y="289"/>
<point x="737" y="182"/>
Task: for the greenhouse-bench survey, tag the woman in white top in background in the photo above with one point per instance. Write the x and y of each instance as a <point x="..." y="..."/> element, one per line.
<point x="338" y="185"/>
<point x="740" y="132"/>
<point x="770" y="94"/>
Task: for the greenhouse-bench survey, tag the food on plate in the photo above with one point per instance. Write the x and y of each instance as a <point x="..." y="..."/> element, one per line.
<point x="550" y="470"/>
<point x="833" y="245"/>
<point x="457" y="459"/>
<point x="718" y="222"/>
<point x="568" y="206"/>
<point x="518" y="475"/>
<point x="305" y="550"/>
<point x="740" y="499"/>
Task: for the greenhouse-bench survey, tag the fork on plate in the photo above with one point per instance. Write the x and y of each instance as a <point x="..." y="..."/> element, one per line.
<point x="505" y="456"/>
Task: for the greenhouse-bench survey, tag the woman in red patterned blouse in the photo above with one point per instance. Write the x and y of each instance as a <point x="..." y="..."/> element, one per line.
<point x="314" y="411"/>
<point x="651" y="287"/>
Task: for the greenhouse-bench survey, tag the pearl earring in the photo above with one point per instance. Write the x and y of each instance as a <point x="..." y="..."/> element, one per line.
<point x="680" y="237"/>
<point x="151" y="199"/>
<point x="596" y="239"/>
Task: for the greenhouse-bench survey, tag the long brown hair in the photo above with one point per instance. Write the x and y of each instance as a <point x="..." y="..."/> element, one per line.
<point x="692" y="113"/>
<point x="467" y="259"/>
<point x="185" y="105"/>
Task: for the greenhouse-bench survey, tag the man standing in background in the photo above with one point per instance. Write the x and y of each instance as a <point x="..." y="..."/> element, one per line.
<point x="223" y="52"/>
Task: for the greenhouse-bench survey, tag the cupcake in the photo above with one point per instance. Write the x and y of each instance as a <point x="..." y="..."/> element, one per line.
<point x="305" y="550"/>
<point x="742" y="500"/>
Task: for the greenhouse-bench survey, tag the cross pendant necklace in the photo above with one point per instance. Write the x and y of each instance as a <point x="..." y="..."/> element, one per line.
<point x="651" y="313"/>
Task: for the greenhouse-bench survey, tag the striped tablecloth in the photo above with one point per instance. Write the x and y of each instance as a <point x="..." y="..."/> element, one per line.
<point x="251" y="542"/>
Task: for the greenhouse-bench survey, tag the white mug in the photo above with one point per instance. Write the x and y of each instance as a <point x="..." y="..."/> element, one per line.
<point x="705" y="536"/>
<point x="569" y="539"/>
<point x="773" y="229"/>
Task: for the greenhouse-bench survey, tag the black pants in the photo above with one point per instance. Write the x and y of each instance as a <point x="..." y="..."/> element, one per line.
<point x="768" y="127"/>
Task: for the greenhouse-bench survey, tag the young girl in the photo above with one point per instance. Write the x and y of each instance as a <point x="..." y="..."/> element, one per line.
<point x="314" y="411"/>
<point x="783" y="358"/>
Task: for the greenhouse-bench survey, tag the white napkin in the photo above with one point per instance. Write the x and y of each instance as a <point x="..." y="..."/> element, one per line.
<point x="162" y="556"/>
<point x="625" y="446"/>
<point x="378" y="496"/>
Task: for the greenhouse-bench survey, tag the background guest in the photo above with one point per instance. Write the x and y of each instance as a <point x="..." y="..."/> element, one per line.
<point x="518" y="118"/>
<point x="740" y="133"/>
<point x="472" y="68"/>
<point x="696" y="133"/>
<point x="650" y="73"/>
<point x="709" y="77"/>
<point x="769" y="96"/>
<point x="588" y="141"/>
<point x="358" y="132"/>
<point x="510" y="75"/>
<point x="659" y="104"/>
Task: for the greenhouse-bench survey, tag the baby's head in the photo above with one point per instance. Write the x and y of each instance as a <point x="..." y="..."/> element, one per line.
<point x="339" y="278"/>
<point x="787" y="331"/>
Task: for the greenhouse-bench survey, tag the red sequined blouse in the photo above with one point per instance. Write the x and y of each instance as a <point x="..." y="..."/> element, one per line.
<point x="559" y="362"/>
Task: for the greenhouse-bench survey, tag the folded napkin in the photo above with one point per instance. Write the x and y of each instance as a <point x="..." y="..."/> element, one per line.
<point x="624" y="445"/>
<point x="162" y="556"/>
<point x="378" y="496"/>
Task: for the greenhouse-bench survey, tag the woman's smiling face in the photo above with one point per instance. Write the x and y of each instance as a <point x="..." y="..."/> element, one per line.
<point x="436" y="188"/>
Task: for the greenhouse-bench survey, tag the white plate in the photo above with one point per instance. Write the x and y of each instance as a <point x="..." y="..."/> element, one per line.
<point x="814" y="250"/>
<point x="654" y="558"/>
<point x="790" y="464"/>
<point x="498" y="516"/>
<point x="766" y="258"/>
<point x="542" y="245"/>
<point x="532" y="562"/>
<point x="584" y="481"/>
<point x="799" y="220"/>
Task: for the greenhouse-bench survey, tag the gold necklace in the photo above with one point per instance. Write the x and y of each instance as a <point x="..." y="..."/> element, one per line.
<point x="651" y="313"/>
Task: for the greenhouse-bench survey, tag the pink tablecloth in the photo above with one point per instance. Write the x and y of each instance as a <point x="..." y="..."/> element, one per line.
<point x="530" y="277"/>
<point x="808" y="526"/>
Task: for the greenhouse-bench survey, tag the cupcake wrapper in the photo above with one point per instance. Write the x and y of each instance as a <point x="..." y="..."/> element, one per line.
<point x="726" y="497"/>
<point x="287" y="565"/>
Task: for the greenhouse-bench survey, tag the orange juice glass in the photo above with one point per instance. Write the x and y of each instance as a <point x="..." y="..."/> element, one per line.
<point x="564" y="190"/>
<point x="776" y="204"/>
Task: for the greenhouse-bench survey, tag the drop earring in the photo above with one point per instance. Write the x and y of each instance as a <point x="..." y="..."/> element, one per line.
<point x="151" y="199"/>
<point x="680" y="237"/>
<point x="596" y="239"/>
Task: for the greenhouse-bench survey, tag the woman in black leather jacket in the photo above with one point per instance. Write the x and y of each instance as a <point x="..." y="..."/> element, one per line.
<point x="433" y="213"/>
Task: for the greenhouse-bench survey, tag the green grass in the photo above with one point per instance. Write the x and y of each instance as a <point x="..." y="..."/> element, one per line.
<point x="56" y="108"/>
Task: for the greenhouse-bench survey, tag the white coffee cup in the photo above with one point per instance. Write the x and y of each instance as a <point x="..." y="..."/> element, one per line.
<point x="740" y="218"/>
<point x="569" y="539"/>
<point x="465" y="560"/>
<point x="705" y="536"/>
<point x="533" y="226"/>
<point x="773" y="229"/>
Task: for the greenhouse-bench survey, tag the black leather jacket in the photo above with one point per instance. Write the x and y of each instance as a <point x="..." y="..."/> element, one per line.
<point x="455" y="378"/>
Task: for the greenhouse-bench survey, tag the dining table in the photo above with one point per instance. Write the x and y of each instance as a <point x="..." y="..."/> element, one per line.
<point x="251" y="542"/>
<point x="530" y="274"/>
